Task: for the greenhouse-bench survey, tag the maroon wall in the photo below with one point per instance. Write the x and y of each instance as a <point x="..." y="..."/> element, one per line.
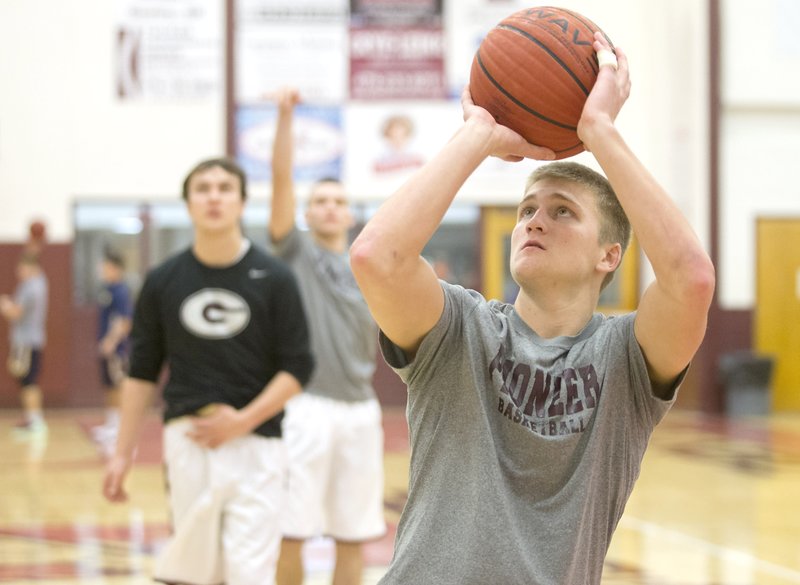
<point x="67" y="379"/>
<point x="70" y="376"/>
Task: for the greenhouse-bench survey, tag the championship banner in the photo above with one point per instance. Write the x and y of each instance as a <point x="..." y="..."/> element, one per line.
<point x="399" y="13"/>
<point x="291" y="43"/>
<point x="391" y="63"/>
<point x="309" y="57"/>
<point x="397" y="50"/>
<point x="169" y="51"/>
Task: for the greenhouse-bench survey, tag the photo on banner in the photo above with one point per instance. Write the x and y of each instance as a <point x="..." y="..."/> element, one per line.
<point x="387" y="141"/>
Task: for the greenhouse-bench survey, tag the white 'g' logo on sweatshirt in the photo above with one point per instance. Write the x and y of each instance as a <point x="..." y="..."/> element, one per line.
<point x="215" y="313"/>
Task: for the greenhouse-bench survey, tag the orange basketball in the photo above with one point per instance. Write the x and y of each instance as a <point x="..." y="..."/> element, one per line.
<point x="533" y="72"/>
<point x="37" y="231"/>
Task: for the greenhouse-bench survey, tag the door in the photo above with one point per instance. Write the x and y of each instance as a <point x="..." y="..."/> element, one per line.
<point x="777" y="327"/>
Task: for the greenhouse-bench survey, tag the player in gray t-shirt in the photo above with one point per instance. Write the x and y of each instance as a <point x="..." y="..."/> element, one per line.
<point x="333" y="430"/>
<point x="26" y="312"/>
<point x="528" y="421"/>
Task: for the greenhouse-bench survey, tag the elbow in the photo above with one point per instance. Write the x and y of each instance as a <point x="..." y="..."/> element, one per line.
<point x="700" y="280"/>
<point x="368" y="259"/>
<point x="359" y="256"/>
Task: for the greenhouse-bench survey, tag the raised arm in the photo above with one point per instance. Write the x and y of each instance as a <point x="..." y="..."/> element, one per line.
<point x="400" y="287"/>
<point x="281" y="219"/>
<point x="672" y="315"/>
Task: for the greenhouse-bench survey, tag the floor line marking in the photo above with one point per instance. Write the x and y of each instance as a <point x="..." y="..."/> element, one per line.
<point x="715" y="549"/>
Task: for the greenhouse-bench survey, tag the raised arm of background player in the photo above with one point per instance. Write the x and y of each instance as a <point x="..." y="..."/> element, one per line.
<point x="283" y="202"/>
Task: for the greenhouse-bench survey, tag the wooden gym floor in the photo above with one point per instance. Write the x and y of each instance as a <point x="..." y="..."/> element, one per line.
<point x="717" y="503"/>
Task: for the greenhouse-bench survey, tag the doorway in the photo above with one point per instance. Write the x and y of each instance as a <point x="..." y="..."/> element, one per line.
<point x="777" y="315"/>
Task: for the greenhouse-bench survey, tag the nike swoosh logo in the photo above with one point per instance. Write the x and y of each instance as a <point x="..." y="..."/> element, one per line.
<point x="258" y="273"/>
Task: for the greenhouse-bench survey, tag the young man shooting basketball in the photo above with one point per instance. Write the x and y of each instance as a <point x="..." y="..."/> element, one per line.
<point x="529" y="421"/>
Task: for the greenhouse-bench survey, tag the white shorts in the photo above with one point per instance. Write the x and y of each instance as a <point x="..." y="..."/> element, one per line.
<point x="226" y="505"/>
<point x="335" y="483"/>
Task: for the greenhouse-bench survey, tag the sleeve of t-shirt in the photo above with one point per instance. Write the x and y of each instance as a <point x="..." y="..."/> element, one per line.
<point x="650" y="407"/>
<point x="121" y="302"/>
<point x="25" y="297"/>
<point x="290" y="245"/>
<point x="458" y="301"/>
<point x="294" y="350"/>
<point x="147" y="335"/>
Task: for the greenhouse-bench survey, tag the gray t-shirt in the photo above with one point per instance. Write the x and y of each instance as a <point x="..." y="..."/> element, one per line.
<point x="344" y="337"/>
<point x="524" y="450"/>
<point x="29" y="329"/>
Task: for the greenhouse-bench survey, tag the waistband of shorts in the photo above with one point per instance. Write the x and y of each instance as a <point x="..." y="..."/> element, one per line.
<point x="207" y="410"/>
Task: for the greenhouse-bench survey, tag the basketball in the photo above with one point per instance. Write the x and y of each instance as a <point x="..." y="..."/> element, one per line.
<point x="37" y="231"/>
<point x="533" y="73"/>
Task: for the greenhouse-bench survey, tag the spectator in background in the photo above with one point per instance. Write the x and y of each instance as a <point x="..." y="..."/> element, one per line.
<point x="227" y="319"/>
<point x="114" y="325"/>
<point x="26" y="312"/>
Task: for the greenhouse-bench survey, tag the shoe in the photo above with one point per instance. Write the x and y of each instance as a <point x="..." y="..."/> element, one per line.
<point x="29" y="429"/>
<point x="102" y="433"/>
<point x="107" y="447"/>
<point x="107" y="441"/>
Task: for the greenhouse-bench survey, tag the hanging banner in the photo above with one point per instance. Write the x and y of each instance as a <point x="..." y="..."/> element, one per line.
<point x="318" y="141"/>
<point x="291" y="43"/>
<point x="387" y="141"/>
<point x="392" y="63"/>
<point x="169" y="50"/>
<point x="399" y="13"/>
<point x="397" y="50"/>
<point x="467" y="22"/>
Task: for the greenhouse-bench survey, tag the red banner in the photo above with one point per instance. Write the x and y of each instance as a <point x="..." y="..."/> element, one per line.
<point x="397" y="63"/>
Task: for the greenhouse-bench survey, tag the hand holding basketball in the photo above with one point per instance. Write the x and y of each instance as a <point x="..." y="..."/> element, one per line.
<point x="609" y="93"/>
<point x="505" y="143"/>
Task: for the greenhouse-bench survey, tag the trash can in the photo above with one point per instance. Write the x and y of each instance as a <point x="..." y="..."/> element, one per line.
<point x="746" y="378"/>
